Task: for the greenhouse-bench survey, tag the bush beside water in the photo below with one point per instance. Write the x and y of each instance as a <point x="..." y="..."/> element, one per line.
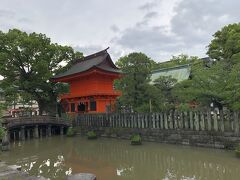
<point x="91" y="135"/>
<point x="136" y="139"/>
<point x="71" y="132"/>
<point x="237" y="151"/>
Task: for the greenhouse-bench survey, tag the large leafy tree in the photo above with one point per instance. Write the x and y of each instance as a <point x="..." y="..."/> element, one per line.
<point x="160" y="93"/>
<point x="28" y="61"/>
<point x="218" y="83"/>
<point x="226" y="43"/>
<point x="135" y="83"/>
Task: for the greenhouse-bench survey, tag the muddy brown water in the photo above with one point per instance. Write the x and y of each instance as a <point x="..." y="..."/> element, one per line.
<point x="113" y="159"/>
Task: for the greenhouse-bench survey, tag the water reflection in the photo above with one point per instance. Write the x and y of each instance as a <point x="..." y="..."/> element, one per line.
<point x="115" y="159"/>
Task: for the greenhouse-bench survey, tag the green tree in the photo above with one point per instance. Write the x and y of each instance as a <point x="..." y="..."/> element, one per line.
<point x="134" y="85"/>
<point x="226" y="43"/>
<point x="218" y="83"/>
<point x="164" y="97"/>
<point x="207" y="85"/>
<point x="28" y="61"/>
<point x="2" y="130"/>
<point x="177" y="60"/>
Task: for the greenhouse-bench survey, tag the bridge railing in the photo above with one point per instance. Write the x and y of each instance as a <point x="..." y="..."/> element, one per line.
<point x="9" y="122"/>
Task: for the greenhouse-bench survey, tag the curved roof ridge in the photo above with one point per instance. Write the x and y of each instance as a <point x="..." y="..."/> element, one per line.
<point x="101" y="60"/>
<point x="85" y="58"/>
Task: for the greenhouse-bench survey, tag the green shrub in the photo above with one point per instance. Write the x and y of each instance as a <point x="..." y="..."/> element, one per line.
<point x="237" y="151"/>
<point x="136" y="139"/>
<point x="71" y="132"/>
<point x="91" y="135"/>
<point x="2" y="132"/>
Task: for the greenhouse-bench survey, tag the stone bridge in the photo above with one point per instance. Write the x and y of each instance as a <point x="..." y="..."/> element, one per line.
<point x="21" y="128"/>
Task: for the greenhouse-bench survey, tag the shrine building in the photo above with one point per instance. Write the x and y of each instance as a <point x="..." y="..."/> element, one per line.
<point x="91" y="84"/>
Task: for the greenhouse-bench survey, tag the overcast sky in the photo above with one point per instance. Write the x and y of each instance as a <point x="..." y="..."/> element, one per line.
<point x="159" y="28"/>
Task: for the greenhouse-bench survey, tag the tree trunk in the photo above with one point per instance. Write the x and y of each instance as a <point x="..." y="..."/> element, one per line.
<point x="40" y="106"/>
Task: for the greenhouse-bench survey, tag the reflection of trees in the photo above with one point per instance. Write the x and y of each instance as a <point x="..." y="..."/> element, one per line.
<point x="158" y="161"/>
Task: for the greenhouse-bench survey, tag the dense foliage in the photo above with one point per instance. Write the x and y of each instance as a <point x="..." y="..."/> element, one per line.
<point x="135" y="83"/>
<point x="2" y="130"/>
<point x="27" y="62"/>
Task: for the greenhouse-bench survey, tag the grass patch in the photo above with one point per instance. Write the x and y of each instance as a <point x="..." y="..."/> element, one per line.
<point x="91" y="135"/>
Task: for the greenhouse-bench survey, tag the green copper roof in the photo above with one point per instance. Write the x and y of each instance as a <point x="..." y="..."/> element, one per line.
<point x="179" y="73"/>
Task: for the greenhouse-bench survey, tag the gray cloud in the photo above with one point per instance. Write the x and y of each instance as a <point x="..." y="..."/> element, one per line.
<point x="148" y="6"/>
<point x="5" y="13"/>
<point x="115" y="28"/>
<point x="151" y="14"/>
<point x="190" y="29"/>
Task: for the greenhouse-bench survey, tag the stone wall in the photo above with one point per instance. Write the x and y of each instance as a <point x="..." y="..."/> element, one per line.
<point x="188" y="128"/>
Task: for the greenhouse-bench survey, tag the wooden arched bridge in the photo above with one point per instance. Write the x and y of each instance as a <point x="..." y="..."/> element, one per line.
<point x="21" y="128"/>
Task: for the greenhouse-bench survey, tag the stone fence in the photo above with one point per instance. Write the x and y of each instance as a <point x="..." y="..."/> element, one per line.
<point x="194" y="128"/>
<point x="195" y="121"/>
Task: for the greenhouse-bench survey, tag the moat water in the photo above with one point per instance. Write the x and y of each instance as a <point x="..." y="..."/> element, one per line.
<point x="112" y="159"/>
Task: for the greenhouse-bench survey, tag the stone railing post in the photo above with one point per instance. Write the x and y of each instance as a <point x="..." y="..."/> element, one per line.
<point x="165" y="120"/>
<point x="196" y="121"/>
<point x="175" y="119"/>
<point x="161" y="121"/>
<point x="215" y="122"/>
<point x="191" y="119"/>
<point x="170" y="118"/>
<point x="202" y="122"/>
<point x="209" y="122"/>
<point x="221" y="121"/>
